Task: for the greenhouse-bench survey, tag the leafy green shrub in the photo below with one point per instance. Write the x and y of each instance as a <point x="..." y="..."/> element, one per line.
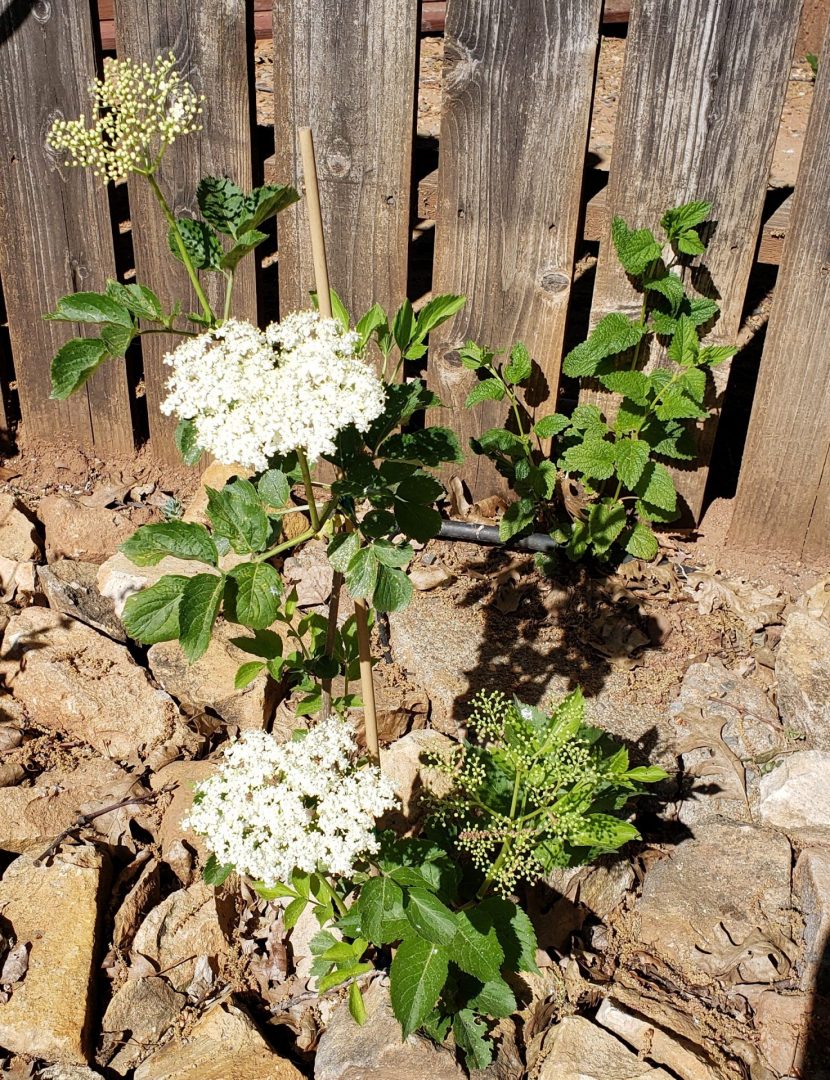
<point x="619" y="460"/>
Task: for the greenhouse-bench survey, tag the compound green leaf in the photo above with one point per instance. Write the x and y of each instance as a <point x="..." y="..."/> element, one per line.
<point x="180" y="539"/>
<point x="393" y="590"/>
<point x="91" y="307"/>
<point x="418" y="973"/>
<point x="477" y="953"/>
<point x="519" y="366"/>
<point x="429" y="917"/>
<point x="221" y="202"/>
<point x="200" y="242"/>
<point x="486" y="390"/>
<point x="631" y="456"/>
<point x="470" y="1034"/>
<point x="236" y="512"/>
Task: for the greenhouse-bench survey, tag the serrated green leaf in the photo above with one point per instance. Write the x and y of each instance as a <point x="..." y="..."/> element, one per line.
<point x="513" y="929"/>
<point x="588" y="418"/>
<point x="382" y="918"/>
<point x="374" y="319"/>
<point x="116" y="338"/>
<point x="631" y="456"/>
<point x="470" y="1034"/>
<point x="393" y="590"/>
<point x="245" y="243"/>
<point x="429" y="917"/>
<point x="631" y="384"/>
<point x="403" y="326"/>
<point x="198" y="608"/>
<point x="395" y="555"/>
<point x="265" y="643"/>
<point x="341" y="974"/>
<point x="712" y="355"/>
<point x="613" y="334"/>
<point x="693" y="383"/>
<point x="253" y="594"/>
<point x="685" y="343"/>
<point x="671" y="287"/>
<point x="412" y="506"/>
<point x="236" y="512"/>
<point x="606" y="520"/>
<point x="436" y="312"/>
<point x="91" y="307"/>
<point x="73" y="364"/>
<point x="430" y="446"/>
<point x="686" y="216"/>
<point x="215" y="873"/>
<point x="518" y="516"/>
<point x="247" y="672"/>
<point x="689" y="243"/>
<point x="486" y="390"/>
<point x="221" y="202"/>
<point x="152" y="615"/>
<point x="264" y="202"/>
<point x="342" y="549"/>
<point x="641" y="542"/>
<point x="656" y="487"/>
<point x="647" y="774"/>
<point x="519" y="366"/>
<point x="137" y="299"/>
<point x="499" y="441"/>
<point x="636" y="248"/>
<point x="362" y="573"/>
<point x="702" y="310"/>
<point x="477" y="953"/>
<point x="274" y="488"/>
<point x="181" y="539"/>
<point x="546" y="427"/>
<point x="495" y="999"/>
<point x="593" y="458"/>
<point x="293" y="911"/>
<point x="185" y="438"/>
<point x="604" y="831"/>
<point x="418" y="973"/>
<point x="663" y="324"/>
<point x="200" y="242"/>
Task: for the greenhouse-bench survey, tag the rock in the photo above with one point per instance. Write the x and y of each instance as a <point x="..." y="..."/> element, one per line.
<point x="802" y="668"/>
<point x="140" y="898"/>
<point x="86" y="533"/>
<point x="67" y="1072"/>
<point x="18" y="538"/>
<point x="184" y="775"/>
<point x="605" y="887"/>
<point x="643" y="1037"/>
<point x="137" y="1017"/>
<point x="71" y="588"/>
<point x="184" y="926"/>
<point x="118" y="579"/>
<point x="783" y="1024"/>
<point x="576" y="1049"/>
<point x="795" y="797"/>
<point x="30" y="817"/>
<point x="76" y="681"/>
<point x="399" y="708"/>
<point x="55" y="908"/>
<point x="209" y="682"/>
<point x="310" y="573"/>
<point x="811" y="887"/>
<point x="347" y="1051"/>
<point x="718" y="907"/>
<point x="17" y="581"/>
<point x="402" y="764"/>
<point x="223" y="1044"/>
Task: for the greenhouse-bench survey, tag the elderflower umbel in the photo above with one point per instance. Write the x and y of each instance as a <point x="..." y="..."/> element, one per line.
<point x="272" y="807"/>
<point x="251" y="395"/>
<point x="138" y="111"/>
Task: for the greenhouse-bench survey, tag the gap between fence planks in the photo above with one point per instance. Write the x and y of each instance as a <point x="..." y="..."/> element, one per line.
<point x="55" y="237"/>
<point x="210" y="40"/>
<point x="688" y="129"/>
<point x="518" y="78"/>
<point x="340" y="69"/>
<point x="783" y="498"/>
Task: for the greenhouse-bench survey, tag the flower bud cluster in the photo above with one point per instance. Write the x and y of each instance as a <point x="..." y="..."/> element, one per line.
<point x="252" y="395"/>
<point x="272" y="808"/>
<point x="138" y="111"/>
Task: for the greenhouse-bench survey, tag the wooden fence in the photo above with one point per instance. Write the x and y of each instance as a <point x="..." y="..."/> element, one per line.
<point x="702" y="94"/>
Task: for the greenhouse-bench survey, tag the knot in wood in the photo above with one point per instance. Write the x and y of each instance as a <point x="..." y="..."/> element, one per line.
<point x="42" y="11"/>
<point x="339" y="158"/>
<point x="554" y="281"/>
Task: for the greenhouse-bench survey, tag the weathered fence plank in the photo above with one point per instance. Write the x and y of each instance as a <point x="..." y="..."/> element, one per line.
<point x="783" y="499"/>
<point x="346" y="68"/>
<point x="210" y="40"/>
<point x="56" y="236"/>
<point x="702" y="93"/>
<point x="518" y="78"/>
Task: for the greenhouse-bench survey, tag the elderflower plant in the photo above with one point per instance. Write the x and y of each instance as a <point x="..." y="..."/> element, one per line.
<point x="139" y="110"/>
<point x="251" y="395"/>
<point x="272" y="808"/>
<point x="535" y="789"/>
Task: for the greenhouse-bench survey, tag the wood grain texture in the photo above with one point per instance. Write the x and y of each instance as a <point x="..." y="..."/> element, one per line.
<point x="346" y="68"/>
<point x="518" y="78"/>
<point x="56" y="236"/>
<point x="783" y="498"/>
<point x="210" y="41"/>
<point x="702" y="92"/>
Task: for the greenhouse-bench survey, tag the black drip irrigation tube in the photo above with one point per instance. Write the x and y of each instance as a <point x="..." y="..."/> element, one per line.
<point x="471" y="533"/>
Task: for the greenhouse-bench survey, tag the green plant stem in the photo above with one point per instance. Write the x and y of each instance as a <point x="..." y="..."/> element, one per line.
<point x="207" y="310"/>
<point x="226" y="312"/>
<point x="309" y="490"/>
<point x="169" y="330"/>
<point x="309" y="534"/>
<point x="505" y="847"/>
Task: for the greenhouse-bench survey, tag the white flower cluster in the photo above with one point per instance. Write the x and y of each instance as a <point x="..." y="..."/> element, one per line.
<point x="272" y="807"/>
<point x="251" y="395"/>
<point x="139" y="110"/>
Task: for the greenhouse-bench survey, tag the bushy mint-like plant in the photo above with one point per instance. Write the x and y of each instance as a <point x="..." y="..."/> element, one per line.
<point x="273" y="402"/>
<point x="532" y="790"/>
<point x="619" y="460"/>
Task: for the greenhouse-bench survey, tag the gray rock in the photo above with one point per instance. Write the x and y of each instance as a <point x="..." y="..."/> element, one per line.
<point x="67" y="1072"/>
<point x="802" y="669"/>
<point x="71" y="587"/>
<point x="347" y="1051"/>
<point x="795" y="797"/>
<point x="811" y="888"/>
<point x="576" y="1049"/>
<point x="718" y="906"/>
<point x="137" y="1017"/>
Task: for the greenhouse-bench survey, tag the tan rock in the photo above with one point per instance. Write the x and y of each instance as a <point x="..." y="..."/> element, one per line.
<point x="643" y="1037"/>
<point x="30" y="817"/>
<point x="184" y="775"/>
<point x="398" y="708"/>
<point x="187" y="924"/>
<point x="18" y="536"/>
<point x="795" y="797"/>
<point x="310" y="573"/>
<point x="118" y="579"/>
<point x="347" y="1051"/>
<point x="412" y="778"/>
<point x="71" y="588"/>
<point x="223" y="1045"/>
<point x="576" y="1049"/>
<point x="143" y="1010"/>
<point x="87" y="533"/>
<point x="802" y="670"/>
<point x="783" y="1023"/>
<point x="17" y="581"/>
<point x="209" y="682"/>
<point x="78" y="682"/>
<point x="55" y="908"/>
